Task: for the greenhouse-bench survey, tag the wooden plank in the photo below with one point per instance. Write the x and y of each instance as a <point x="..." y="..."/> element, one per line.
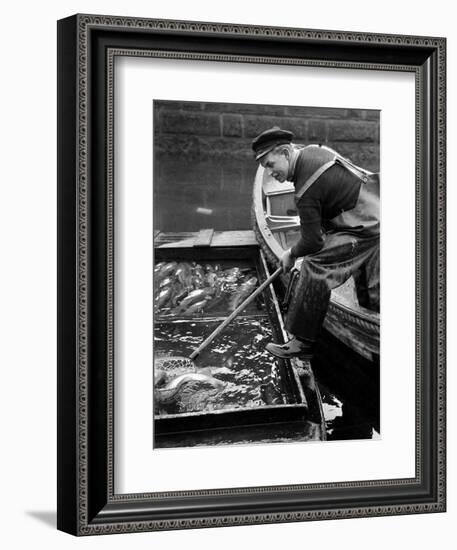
<point x="232" y="239"/>
<point x="204" y="238"/>
<point x="235" y="238"/>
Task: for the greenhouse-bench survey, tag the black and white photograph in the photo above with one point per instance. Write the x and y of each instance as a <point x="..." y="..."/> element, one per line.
<point x="251" y="277"/>
<point x="266" y="276"/>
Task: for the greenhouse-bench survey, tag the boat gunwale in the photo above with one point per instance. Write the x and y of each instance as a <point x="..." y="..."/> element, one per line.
<point x="235" y="410"/>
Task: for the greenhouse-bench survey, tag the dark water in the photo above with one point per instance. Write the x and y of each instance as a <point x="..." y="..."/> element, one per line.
<point x="345" y="419"/>
<point x="189" y="196"/>
<point x="349" y="386"/>
<point x="237" y="358"/>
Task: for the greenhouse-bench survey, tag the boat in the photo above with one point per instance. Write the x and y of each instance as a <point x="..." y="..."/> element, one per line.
<point x="277" y="228"/>
<point x="298" y="418"/>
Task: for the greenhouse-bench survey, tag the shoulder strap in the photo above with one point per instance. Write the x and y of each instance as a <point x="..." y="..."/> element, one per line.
<point x="360" y="173"/>
<point x="357" y="170"/>
<point x="317" y="174"/>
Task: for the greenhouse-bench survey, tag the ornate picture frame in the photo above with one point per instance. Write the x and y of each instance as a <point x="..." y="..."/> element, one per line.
<point x="87" y="501"/>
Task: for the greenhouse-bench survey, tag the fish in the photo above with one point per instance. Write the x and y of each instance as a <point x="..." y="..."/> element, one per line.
<point x="215" y="370"/>
<point x="158" y="267"/>
<point x="197" y="281"/>
<point x="211" y="278"/>
<point x="184" y="274"/>
<point x="231" y="275"/>
<point x="166" y="270"/>
<point x="198" y="271"/>
<point x="243" y="292"/>
<point x="167" y="393"/>
<point x="195" y="296"/>
<point x="195" y="308"/>
<point x="163" y="297"/>
<point x="165" y="282"/>
<point x="179" y="294"/>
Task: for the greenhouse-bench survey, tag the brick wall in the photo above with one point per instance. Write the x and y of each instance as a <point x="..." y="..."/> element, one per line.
<point x="206" y="131"/>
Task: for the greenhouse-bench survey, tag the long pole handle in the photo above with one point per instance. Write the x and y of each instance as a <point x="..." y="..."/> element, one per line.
<point x="232" y="316"/>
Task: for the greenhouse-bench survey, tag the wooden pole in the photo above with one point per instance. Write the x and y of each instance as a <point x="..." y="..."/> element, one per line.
<point x="237" y="311"/>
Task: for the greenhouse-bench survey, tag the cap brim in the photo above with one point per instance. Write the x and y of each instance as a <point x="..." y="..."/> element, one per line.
<point x="265" y="152"/>
<point x="269" y="146"/>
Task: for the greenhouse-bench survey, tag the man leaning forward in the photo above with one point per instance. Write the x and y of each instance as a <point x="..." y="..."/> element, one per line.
<point x="338" y="206"/>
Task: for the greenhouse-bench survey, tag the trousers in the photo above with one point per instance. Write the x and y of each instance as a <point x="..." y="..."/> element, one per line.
<point x="342" y="256"/>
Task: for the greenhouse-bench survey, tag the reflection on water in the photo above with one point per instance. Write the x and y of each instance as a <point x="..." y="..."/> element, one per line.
<point x="206" y="194"/>
<point x="237" y="358"/>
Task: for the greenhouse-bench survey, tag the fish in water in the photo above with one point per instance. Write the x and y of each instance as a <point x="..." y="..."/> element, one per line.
<point x="231" y="275"/>
<point x="195" y="296"/>
<point x="166" y="271"/>
<point x="243" y="292"/>
<point x="167" y="393"/>
<point x="165" y="282"/>
<point x="163" y="297"/>
<point x="198" y="282"/>
<point x="215" y="370"/>
<point x="179" y="294"/>
<point x="211" y="278"/>
<point x="158" y="267"/>
<point x="194" y="308"/>
<point x="198" y="271"/>
<point x="184" y="274"/>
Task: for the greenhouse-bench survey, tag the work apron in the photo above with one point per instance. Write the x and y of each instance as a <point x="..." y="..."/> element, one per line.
<point x="351" y="248"/>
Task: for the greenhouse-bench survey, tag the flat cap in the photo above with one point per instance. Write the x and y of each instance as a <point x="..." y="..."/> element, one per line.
<point x="269" y="139"/>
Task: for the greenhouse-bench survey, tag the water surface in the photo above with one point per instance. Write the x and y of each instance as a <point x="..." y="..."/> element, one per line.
<point x="237" y="357"/>
<point x="189" y="196"/>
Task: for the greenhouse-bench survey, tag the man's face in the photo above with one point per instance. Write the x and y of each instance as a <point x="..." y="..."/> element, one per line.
<point x="277" y="165"/>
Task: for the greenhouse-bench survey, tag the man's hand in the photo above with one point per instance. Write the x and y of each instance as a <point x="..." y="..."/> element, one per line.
<point x="287" y="261"/>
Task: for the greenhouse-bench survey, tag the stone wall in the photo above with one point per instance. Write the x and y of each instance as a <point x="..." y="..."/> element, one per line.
<point x="205" y="131"/>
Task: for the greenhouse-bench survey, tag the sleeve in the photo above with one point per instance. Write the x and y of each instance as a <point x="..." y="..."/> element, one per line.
<point x="311" y="235"/>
